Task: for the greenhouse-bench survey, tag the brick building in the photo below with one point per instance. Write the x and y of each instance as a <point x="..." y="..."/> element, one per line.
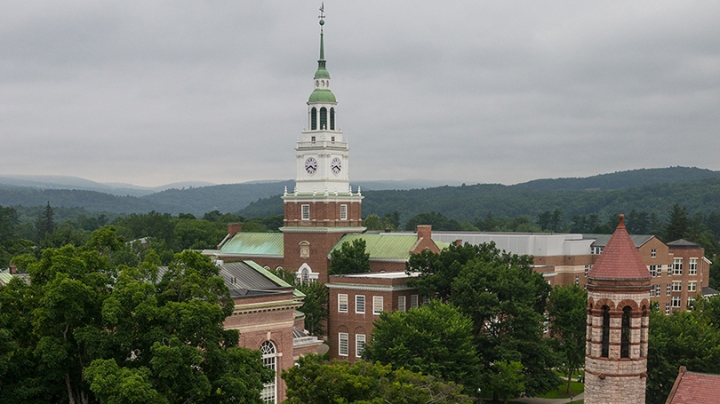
<point x="356" y="301"/>
<point x="266" y="316"/>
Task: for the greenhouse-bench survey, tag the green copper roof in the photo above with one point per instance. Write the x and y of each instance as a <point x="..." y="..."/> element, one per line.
<point x="254" y="244"/>
<point x="322" y="73"/>
<point x="322" y="95"/>
<point x="386" y="245"/>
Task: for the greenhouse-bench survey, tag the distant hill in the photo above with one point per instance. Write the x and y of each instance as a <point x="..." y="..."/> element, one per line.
<point x="623" y="179"/>
<point x="648" y="189"/>
<point x="468" y="203"/>
<point x="81" y="184"/>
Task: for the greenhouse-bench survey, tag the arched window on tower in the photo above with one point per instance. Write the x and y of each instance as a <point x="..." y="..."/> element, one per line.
<point x="323" y="118"/>
<point x="313" y="119"/>
<point x="605" y="344"/>
<point x="269" y="358"/>
<point x="332" y="118"/>
<point x="625" y="335"/>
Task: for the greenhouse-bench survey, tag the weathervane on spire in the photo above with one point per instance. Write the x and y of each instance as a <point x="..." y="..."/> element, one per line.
<point x="322" y="15"/>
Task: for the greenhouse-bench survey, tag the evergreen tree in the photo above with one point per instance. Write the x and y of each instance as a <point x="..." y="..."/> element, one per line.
<point x="678" y="225"/>
<point x="45" y="222"/>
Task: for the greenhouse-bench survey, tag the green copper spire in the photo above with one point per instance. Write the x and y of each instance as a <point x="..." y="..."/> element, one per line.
<point x="322" y="72"/>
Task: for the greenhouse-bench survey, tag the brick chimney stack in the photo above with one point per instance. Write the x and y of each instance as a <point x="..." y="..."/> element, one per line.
<point x="424" y="231"/>
<point x="234" y="228"/>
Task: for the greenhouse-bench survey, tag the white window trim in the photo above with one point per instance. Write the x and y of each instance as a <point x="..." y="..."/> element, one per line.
<point x="402" y="306"/>
<point x="360" y="340"/>
<point x="269" y="358"/>
<point x="675" y="301"/>
<point x="692" y="267"/>
<point x="342" y="303"/>
<point x="414" y="301"/>
<point x="343" y="336"/>
<point x="305" y="211"/>
<point x="357" y="298"/>
<point x="377" y="305"/>
<point x="692" y="286"/>
<point x="343" y="212"/>
<point x="677" y="286"/>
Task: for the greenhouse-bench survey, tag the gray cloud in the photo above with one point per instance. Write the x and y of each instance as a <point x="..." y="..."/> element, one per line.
<point x="156" y="92"/>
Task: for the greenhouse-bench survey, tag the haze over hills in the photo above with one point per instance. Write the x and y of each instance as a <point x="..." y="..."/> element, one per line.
<point x="68" y="182"/>
<point x="644" y="189"/>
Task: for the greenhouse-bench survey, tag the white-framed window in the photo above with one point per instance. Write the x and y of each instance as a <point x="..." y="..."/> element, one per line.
<point x="692" y="286"/>
<point x="653" y="253"/>
<point x="676" y="286"/>
<point x="587" y="269"/>
<point x="401" y="303"/>
<point x="360" y="304"/>
<point x="659" y="270"/>
<point x="342" y="303"/>
<point x="667" y="309"/>
<point x="305" y="211"/>
<point x="343" y="212"/>
<point x="546" y="324"/>
<point x="693" y="266"/>
<point x="657" y="290"/>
<point x="413" y="301"/>
<point x="668" y="289"/>
<point x="670" y="269"/>
<point x="691" y="300"/>
<point x="652" y="270"/>
<point x="652" y="291"/>
<point x="359" y="344"/>
<point x="343" y="345"/>
<point x="377" y="305"/>
<point x="676" y="301"/>
<point x="269" y="358"/>
<point x="677" y="266"/>
<point x="577" y="279"/>
<point x="426" y="300"/>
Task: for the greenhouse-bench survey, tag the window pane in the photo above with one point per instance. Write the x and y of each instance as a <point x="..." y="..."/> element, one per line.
<point x="360" y="304"/>
<point x="343" y="303"/>
<point x="343" y="346"/>
<point x="377" y="304"/>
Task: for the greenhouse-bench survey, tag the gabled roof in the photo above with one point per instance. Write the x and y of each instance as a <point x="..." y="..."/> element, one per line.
<point x="254" y="244"/>
<point x="601" y="240"/>
<point x="620" y="258"/>
<point x="248" y="278"/>
<point x="694" y="388"/>
<point x="386" y="246"/>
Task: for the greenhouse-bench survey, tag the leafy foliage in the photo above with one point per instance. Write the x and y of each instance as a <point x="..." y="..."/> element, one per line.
<point x="567" y="315"/>
<point x="350" y="258"/>
<point x="85" y="330"/>
<point x="690" y="339"/>
<point x="433" y="339"/>
<point x="317" y="382"/>
<point x="505" y="300"/>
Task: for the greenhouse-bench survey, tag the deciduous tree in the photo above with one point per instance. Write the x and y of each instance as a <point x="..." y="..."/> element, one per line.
<point x="350" y="258"/>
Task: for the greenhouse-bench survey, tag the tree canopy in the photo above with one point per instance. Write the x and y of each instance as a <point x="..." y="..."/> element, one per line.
<point x="506" y="301"/>
<point x="87" y="331"/>
<point x="434" y="339"/>
<point x="350" y="258"/>
<point x="314" y="381"/>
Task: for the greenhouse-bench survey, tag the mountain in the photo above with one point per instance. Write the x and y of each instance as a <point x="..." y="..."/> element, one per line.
<point x="77" y="183"/>
<point x="623" y="179"/>
<point x="647" y="189"/>
<point x="699" y="193"/>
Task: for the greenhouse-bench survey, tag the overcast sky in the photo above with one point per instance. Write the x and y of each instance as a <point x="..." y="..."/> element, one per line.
<point x="152" y="92"/>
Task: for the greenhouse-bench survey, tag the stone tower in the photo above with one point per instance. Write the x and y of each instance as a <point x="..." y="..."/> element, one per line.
<point x="617" y="324"/>
<point x="322" y="207"/>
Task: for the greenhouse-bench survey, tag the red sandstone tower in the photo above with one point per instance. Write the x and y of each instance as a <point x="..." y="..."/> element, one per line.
<point x="617" y="324"/>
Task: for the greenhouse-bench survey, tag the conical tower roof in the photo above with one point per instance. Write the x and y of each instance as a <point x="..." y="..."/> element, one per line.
<point x="620" y="259"/>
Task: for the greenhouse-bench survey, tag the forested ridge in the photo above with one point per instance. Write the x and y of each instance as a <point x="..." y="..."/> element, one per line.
<point x="651" y="190"/>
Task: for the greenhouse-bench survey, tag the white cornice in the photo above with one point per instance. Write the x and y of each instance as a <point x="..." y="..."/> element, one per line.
<point x="372" y="288"/>
<point x="299" y="229"/>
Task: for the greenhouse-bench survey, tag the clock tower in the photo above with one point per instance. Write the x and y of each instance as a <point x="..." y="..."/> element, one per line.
<point x="322" y="207"/>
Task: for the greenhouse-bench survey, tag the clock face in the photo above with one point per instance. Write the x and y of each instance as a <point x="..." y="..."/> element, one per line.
<point x="336" y="165"/>
<point x="311" y="165"/>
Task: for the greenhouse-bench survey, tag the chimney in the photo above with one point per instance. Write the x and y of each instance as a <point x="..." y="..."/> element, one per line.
<point x="13" y="269"/>
<point x="424" y="231"/>
<point x="234" y="228"/>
